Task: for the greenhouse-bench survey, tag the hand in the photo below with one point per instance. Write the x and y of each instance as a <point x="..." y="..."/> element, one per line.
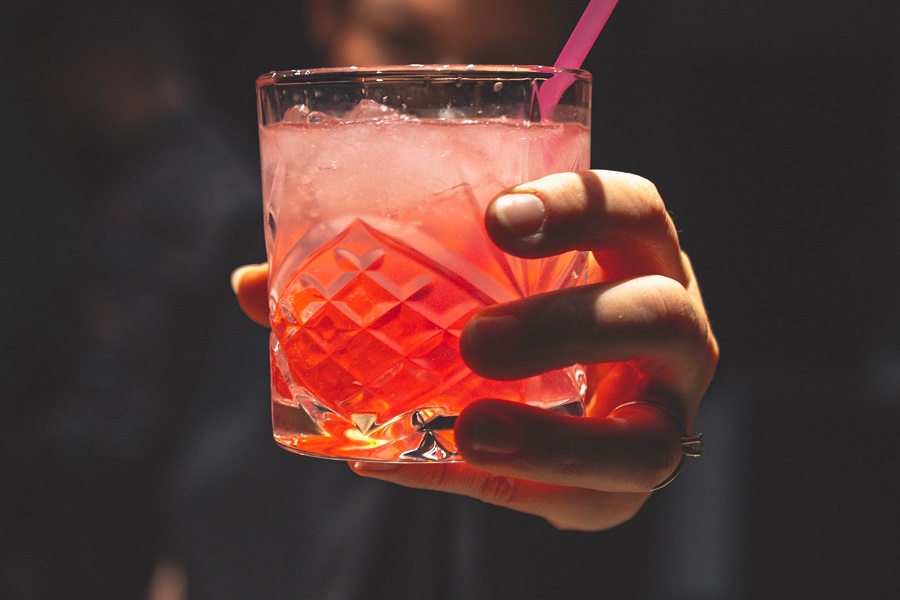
<point x="639" y="326"/>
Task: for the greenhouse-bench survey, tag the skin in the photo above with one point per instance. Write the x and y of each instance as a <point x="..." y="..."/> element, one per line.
<point x="639" y="326"/>
<point x="381" y="32"/>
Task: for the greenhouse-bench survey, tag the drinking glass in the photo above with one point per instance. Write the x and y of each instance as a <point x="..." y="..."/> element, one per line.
<point x="375" y="183"/>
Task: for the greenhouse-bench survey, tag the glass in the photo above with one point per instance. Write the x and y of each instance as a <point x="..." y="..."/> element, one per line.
<point x="375" y="183"/>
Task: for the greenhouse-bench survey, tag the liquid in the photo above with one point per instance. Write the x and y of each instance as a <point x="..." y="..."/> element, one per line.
<point x="376" y="270"/>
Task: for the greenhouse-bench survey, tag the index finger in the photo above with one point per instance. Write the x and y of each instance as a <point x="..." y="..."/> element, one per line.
<point x="619" y="217"/>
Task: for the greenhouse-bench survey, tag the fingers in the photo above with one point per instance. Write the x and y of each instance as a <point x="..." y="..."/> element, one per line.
<point x="648" y="307"/>
<point x="619" y="217"/>
<point x="564" y="507"/>
<point x="615" y="454"/>
<point x="651" y="319"/>
<point x="577" y="473"/>
<point x="250" y="285"/>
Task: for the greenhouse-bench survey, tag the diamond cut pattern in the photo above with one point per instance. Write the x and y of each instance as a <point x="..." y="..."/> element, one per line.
<point x="403" y="329"/>
<point x="365" y="323"/>
<point x="371" y="327"/>
<point x="364" y="300"/>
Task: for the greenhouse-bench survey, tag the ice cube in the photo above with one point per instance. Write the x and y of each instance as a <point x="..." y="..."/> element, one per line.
<point x="296" y="114"/>
<point x="301" y="113"/>
<point x="371" y="110"/>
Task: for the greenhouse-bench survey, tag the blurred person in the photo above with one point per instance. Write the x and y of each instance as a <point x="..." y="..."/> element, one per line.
<point x="382" y="32"/>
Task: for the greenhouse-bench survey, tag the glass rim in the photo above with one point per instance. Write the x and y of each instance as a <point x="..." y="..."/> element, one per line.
<point x="416" y="72"/>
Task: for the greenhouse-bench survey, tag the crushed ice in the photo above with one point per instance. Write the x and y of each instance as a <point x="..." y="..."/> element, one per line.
<point x="372" y="110"/>
<point x="365" y="110"/>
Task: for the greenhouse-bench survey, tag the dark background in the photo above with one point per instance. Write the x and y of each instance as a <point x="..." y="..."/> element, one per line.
<point x="771" y="129"/>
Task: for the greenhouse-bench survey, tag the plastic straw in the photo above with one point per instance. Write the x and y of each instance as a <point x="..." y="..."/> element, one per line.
<point x="575" y="51"/>
<point x="585" y="34"/>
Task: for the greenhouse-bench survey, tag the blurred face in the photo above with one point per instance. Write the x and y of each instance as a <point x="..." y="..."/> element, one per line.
<point x="378" y="32"/>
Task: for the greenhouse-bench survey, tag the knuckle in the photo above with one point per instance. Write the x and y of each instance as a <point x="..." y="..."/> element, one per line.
<point x="497" y="489"/>
<point x="600" y="515"/>
<point x="659" y="456"/>
<point x="437" y="478"/>
<point x="629" y="510"/>
<point x="565" y="317"/>
<point x="619" y="517"/>
<point x="678" y="315"/>
<point x="663" y="464"/>
<point x="570" y="460"/>
<point x="647" y="192"/>
<point x="650" y="207"/>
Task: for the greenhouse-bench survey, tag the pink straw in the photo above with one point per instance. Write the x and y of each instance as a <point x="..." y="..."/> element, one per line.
<point x="575" y="51"/>
<point x="585" y="34"/>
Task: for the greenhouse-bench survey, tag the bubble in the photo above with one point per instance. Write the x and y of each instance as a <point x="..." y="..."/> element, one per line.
<point x="301" y="113"/>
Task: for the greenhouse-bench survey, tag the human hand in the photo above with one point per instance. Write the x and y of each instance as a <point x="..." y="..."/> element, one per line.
<point x="639" y="326"/>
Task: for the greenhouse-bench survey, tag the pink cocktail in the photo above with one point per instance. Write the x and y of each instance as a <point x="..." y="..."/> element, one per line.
<point x="375" y="185"/>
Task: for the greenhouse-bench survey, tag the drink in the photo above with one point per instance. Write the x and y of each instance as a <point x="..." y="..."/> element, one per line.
<point x="378" y="257"/>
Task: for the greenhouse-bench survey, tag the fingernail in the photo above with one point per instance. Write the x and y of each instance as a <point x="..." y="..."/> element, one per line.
<point x="520" y="214"/>
<point x="236" y="277"/>
<point x="496" y="435"/>
<point x="374" y="466"/>
<point x="497" y="332"/>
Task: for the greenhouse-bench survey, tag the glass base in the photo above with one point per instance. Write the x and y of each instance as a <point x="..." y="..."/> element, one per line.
<point x="423" y="435"/>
